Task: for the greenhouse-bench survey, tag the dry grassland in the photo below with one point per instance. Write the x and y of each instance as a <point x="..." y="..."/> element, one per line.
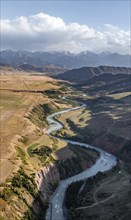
<point x="14" y="106"/>
<point x="79" y="117"/>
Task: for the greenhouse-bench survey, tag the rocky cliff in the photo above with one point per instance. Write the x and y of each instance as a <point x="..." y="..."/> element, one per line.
<point x="48" y="177"/>
<point x="46" y="180"/>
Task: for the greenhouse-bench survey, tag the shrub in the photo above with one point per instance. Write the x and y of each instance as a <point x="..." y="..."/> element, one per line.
<point x="22" y="155"/>
<point x="43" y="151"/>
<point x="22" y="180"/>
<point x="6" y="193"/>
<point x="30" y="149"/>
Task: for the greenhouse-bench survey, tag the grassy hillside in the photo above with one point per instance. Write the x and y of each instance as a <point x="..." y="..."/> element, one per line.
<point x="15" y="106"/>
<point x="24" y="107"/>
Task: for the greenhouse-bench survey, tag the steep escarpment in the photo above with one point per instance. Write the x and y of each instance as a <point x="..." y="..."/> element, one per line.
<point x="71" y="166"/>
<point x="39" y="113"/>
<point x="47" y="179"/>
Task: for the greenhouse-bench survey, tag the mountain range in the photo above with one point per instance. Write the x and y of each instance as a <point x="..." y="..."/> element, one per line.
<point x="63" y="59"/>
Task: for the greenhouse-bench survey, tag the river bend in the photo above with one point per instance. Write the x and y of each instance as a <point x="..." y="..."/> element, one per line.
<point x="105" y="162"/>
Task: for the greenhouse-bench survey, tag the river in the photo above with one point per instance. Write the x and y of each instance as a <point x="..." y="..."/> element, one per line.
<point x="105" y="162"/>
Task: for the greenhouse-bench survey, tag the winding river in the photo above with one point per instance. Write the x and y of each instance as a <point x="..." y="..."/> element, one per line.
<point x="105" y="162"/>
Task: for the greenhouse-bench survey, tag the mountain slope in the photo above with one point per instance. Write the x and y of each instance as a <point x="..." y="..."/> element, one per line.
<point x="85" y="73"/>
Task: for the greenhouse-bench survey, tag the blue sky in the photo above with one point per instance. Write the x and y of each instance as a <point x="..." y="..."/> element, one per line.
<point x="92" y="13"/>
<point x="101" y="16"/>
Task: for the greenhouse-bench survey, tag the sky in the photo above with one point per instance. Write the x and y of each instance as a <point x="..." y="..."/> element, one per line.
<point x="73" y="26"/>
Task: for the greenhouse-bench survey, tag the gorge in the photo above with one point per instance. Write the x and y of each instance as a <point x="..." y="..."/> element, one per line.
<point x="105" y="162"/>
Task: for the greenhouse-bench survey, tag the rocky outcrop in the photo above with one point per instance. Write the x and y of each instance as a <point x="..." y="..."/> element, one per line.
<point x="46" y="180"/>
<point x="48" y="177"/>
<point x="71" y="167"/>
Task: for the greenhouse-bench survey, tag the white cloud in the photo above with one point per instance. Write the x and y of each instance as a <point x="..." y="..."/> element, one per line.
<point x="44" y="32"/>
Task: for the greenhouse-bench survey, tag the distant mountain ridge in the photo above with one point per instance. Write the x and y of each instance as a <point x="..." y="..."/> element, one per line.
<point x="43" y="69"/>
<point x="49" y="70"/>
<point x="84" y="74"/>
<point x="64" y="59"/>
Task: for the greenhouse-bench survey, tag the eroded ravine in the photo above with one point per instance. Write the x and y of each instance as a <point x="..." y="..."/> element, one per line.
<point x="105" y="162"/>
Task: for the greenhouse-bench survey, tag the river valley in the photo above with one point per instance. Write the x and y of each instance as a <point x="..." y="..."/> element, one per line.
<point x="105" y="162"/>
